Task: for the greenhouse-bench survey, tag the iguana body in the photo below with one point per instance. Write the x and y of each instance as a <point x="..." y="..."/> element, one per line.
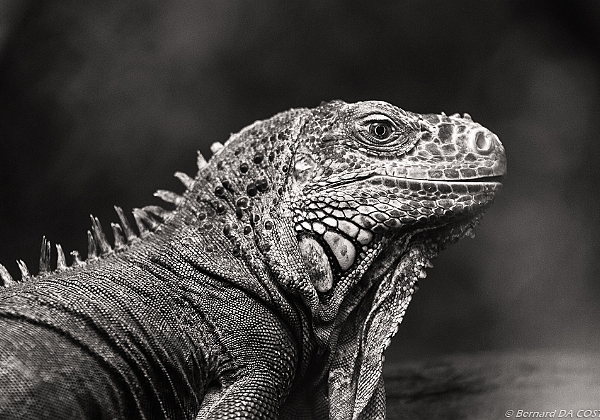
<point x="270" y="291"/>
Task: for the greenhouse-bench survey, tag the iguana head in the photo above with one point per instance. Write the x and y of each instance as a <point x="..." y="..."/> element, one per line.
<point x="367" y="174"/>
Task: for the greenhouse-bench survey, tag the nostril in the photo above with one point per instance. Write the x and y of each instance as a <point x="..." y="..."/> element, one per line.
<point x="483" y="142"/>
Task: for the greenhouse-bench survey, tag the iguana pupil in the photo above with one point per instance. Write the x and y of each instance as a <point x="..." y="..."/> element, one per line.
<point x="381" y="130"/>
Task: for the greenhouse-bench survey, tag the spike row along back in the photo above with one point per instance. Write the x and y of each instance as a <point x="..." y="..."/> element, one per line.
<point x="147" y="219"/>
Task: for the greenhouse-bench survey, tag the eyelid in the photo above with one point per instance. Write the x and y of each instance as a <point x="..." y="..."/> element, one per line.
<point x="377" y="118"/>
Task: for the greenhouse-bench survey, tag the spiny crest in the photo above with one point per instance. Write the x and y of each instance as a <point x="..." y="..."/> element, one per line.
<point x="147" y="220"/>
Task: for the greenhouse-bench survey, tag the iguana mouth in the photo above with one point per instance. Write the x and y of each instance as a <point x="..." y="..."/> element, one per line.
<point x="484" y="180"/>
<point x="495" y="180"/>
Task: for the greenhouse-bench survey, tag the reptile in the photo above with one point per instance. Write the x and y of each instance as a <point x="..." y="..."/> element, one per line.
<point x="269" y="289"/>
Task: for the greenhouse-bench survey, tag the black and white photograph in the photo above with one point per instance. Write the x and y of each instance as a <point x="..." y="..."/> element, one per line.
<point x="342" y="210"/>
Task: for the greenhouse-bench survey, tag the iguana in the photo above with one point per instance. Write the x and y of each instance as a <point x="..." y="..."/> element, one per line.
<point x="271" y="289"/>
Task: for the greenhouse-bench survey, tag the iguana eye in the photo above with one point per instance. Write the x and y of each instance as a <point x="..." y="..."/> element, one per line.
<point x="381" y="130"/>
<point x="378" y="132"/>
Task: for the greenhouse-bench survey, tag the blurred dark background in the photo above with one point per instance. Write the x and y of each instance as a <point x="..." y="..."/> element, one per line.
<point x="102" y="100"/>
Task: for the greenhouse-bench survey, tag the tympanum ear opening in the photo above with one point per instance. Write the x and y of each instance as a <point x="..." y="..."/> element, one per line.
<point x="303" y="168"/>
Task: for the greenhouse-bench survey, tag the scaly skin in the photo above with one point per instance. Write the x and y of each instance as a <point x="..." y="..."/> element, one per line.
<point x="273" y="288"/>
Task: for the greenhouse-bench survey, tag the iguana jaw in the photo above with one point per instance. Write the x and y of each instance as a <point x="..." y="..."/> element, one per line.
<point x="340" y="227"/>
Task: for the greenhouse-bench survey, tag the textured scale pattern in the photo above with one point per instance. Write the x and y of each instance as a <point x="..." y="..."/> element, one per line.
<point x="270" y="291"/>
